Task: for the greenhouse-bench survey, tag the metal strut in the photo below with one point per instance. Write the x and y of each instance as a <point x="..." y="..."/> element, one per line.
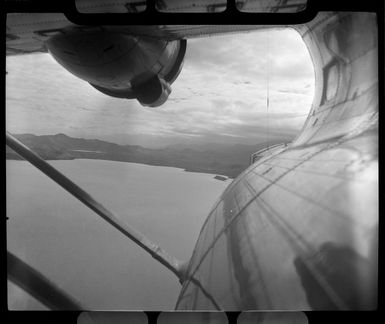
<point x="39" y="286"/>
<point x="156" y="252"/>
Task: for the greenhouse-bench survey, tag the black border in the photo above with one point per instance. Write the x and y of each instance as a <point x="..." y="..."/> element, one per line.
<point x="230" y="16"/>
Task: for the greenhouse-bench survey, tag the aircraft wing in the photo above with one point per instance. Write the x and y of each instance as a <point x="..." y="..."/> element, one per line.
<point x="27" y="32"/>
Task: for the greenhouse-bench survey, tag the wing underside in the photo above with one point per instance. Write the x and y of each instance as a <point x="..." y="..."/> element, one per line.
<point x="28" y="32"/>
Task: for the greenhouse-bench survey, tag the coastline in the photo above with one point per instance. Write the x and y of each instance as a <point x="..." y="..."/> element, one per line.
<point x="216" y="174"/>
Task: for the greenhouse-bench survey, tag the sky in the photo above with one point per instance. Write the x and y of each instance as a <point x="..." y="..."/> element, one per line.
<point x="219" y="96"/>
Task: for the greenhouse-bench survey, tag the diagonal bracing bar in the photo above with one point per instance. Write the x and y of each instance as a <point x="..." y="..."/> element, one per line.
<point x="156" y="252"/>
<point x="37" y="285"/>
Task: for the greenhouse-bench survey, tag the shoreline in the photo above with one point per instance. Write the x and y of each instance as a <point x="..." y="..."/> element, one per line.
<point x="191" y="170"/>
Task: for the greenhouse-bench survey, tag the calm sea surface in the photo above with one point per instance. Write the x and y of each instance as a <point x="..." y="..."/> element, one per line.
<point x="87" y="257"/>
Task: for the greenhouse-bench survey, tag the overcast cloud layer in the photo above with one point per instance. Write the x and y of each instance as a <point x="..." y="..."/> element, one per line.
<point x="220" y="95"/>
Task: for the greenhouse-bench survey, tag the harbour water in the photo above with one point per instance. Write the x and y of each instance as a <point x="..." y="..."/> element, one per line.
<point x="87" y="257"/>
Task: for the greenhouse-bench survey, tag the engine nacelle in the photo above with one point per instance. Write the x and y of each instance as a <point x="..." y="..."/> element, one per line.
<point x="120" y="65"/>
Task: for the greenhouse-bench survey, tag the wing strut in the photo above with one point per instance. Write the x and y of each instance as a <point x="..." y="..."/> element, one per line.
<point x="39" y="286"/>
<point x="156" y="252"/>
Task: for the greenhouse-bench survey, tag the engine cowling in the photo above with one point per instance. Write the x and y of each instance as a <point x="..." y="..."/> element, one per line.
<point x="119" y="65"/>
<point x="152" y="93"/>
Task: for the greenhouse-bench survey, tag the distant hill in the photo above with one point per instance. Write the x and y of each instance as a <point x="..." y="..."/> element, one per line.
<point x="228" y="160"/>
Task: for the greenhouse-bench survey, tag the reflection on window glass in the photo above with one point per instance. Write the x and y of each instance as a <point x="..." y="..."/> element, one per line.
<point x="288" y="6"/>
<point x="221" y="271"/>
<point x="212" y="272"/>
<point x="116" y="6"/>
<point x="191" y="6"/>
<point x="201" y="247"/>
<point x="219" y="220"/>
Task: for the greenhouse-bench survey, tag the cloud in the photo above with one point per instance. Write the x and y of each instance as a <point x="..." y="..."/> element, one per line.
<point x="221" y="91"/>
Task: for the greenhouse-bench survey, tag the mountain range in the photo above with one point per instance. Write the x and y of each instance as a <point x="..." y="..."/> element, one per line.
<point x="228" y="160"/>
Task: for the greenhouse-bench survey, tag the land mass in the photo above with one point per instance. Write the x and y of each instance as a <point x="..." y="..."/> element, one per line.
<point x="220" y="159"/>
